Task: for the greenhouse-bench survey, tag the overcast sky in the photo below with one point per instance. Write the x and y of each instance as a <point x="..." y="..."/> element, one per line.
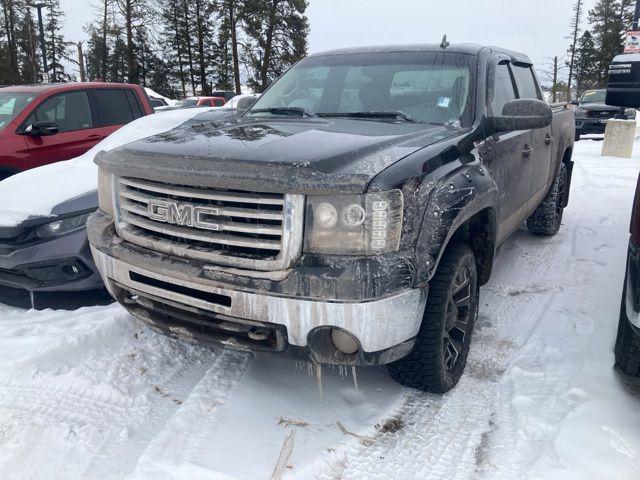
<point x="536" y="27"/>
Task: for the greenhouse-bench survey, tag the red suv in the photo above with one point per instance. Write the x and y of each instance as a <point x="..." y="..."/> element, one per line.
<point x="41" y="124"/>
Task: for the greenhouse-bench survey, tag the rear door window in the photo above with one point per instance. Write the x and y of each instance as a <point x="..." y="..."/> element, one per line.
<point x="71" y="111"/>
<point x="503" y="91"/>
<point x="527" y="85"/>
<point x="116" y="106"/>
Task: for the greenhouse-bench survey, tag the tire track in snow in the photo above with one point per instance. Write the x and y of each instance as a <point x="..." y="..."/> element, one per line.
<point x="184" y="440"/>
<point x="536" y="394"/>
<point x="442" y="434"/>
<point x="103" y="393"/>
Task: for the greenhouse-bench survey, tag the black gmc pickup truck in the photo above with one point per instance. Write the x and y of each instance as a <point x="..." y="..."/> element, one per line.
<point x="349" y="216"/>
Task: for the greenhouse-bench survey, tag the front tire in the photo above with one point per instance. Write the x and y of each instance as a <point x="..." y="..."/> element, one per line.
<point x="439" y="356"/>
<point x="546" y="219"/>
<point x="627" y="350"/>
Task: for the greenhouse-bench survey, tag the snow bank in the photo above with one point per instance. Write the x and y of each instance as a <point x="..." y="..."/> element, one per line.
<point x="35" y="192"/>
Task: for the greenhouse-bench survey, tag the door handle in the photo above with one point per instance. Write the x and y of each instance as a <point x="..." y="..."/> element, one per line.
<point x="526" y="153"/>
<point x="548" y="139"/>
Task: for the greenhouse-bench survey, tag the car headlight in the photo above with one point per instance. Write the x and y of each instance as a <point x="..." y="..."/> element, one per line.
<point x="62" y="226"/>
<point x="631" y="112"/>
<point x="105" y="191"/>
<point x="353" y="224"/>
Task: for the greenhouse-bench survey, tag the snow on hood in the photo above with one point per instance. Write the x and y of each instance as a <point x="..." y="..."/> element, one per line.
<point x="36" y="192"/>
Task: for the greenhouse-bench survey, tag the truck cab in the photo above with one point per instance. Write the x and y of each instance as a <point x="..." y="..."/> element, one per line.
<point x="348" y="217"/>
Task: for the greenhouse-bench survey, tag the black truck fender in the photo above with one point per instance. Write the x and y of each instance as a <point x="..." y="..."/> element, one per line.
<point x="463" y="207"/>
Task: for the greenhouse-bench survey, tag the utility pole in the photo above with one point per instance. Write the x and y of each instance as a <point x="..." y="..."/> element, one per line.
<point x="83" y="77"/>
<point x="43" y="47"/>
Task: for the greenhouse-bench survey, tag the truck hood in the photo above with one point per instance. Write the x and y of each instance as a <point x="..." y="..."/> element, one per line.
<point x="275" y="155"/>
<point x="61" y="188"/>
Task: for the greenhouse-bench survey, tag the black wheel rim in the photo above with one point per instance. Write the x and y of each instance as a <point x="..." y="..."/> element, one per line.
<point x="458" y="316"/>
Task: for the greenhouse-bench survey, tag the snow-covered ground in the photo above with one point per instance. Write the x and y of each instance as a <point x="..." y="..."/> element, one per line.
<point x="92" y="394"/>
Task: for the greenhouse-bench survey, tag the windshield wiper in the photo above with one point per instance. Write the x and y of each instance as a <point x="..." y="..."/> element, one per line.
<point x="299" y="111"/>
<point x="397" y="114"/>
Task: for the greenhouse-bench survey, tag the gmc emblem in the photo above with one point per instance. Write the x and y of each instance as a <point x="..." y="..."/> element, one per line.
<point x="183" y="214"/>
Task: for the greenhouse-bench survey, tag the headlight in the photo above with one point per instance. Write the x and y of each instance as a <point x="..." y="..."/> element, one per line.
<point x="631" y="112"/>
<point x="105" y="191"/>
<point x="60" y="227"/>
<point x="353" y="224"/>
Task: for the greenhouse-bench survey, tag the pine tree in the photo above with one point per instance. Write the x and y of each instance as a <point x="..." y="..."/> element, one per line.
<point x="587" y="75"/>
<point x="277" y="31"/>
<point x="609" y="19"/>
<point x="575" y="32"/>
<point x="56" y="46"/>
<point x="26" y="38"/>
<point x="223" y="57"/>
<point x="10" y="69"/>
<point x="117" y="61"/>
<point x="172" y="41"/>
<point x="96" y="51"/>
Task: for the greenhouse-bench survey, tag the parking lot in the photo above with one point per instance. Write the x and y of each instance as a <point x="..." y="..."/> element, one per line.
<point x="94" y="391"/>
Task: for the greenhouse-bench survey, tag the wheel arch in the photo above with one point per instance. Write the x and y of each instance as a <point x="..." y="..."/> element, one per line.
<point x="462" y="208"/>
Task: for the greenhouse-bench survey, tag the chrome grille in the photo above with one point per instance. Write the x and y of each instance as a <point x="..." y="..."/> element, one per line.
<point x="259" y="231"/>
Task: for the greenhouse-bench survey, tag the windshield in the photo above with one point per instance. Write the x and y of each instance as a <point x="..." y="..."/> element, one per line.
<point x="427" y="87"/>
<point x="594" y="96"/>
<point x="11" y="104"/>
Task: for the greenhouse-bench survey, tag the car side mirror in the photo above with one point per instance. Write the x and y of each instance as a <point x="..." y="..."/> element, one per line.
<point x="246" y="103"/>
<point x="575" y="102"/>
<point x="42" y="129"/>
<point x="522" y="114"/>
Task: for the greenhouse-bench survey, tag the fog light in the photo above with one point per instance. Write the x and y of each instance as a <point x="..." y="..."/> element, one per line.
<point x="344" y="341"/>
<point x="326" y="215"/>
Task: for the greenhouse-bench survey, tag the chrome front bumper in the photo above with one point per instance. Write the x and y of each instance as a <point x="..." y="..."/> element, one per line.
<point x="377" y="325"/>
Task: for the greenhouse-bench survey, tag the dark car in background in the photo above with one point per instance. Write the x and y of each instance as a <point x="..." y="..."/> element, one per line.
<point x="41" y="124"/>
<point x="157" y="102"/>
<point x="627" y="349"/>
<point x="592" y="113"/>
<point x="226" y="94"/>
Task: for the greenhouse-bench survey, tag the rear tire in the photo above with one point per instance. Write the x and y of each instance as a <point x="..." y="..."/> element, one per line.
<point x="546" y="219"/>
<point x="627" y="350"/>
<point x="439" y="356"/>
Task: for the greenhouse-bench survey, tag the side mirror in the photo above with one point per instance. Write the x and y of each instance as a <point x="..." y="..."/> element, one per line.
<point x="246" y="103"/>
<point x="42" y="129"/>
<point x="575" y="102"/>
<point x="523" y="114"/>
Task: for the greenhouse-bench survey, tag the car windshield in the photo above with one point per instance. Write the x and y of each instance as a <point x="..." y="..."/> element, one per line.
<point x="594" y="96"/>
<point x="11" y="104"/>
<point x="425" y="87"/>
